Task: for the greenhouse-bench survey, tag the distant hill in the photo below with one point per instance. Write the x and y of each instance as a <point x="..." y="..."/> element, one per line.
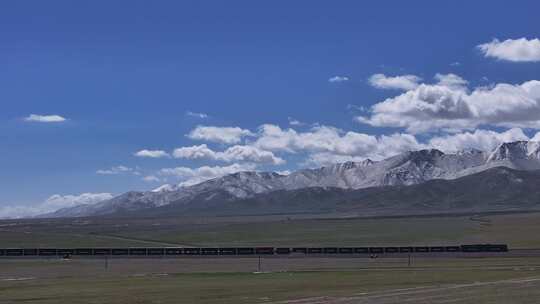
<point x="495" y="189"/>
<point x="413" y="182"/>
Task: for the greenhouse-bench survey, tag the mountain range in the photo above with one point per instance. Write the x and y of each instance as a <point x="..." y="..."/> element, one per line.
<point x="415" y="182"/>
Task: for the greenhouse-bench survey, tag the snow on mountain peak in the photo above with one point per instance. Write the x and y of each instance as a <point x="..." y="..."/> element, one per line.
<point x="533" y="149"/>
<point x="165" y="188"/>
<point x="513" y="150"/>
<point x="407" y="168"/>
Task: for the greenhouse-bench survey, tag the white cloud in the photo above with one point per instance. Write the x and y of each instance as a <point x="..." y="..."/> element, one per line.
<point x="403" y="82"/>
<point x="151" y="178"/>
<point x="189" y="176"/>
<point x="455" y="63"/>
<point x="225" y="135"/>
<point x="197" y="115"/>
<point x="453" y="108"/>
<point x="326" y="145"/>
<point x="295" y="122"/>
<point x="115" y="170"/>
<point x="152" y="153"/>
<point x="44" y="118"/>
<point x="235" y="153"/>
<point x="195" y="152"/>
<point x="332" y="141"/>
<point x="53" y="203"/>
<point x="485" y="140"/>
<point x="250" y="154"/>
<point x="451" y="80"/>
<point x="338" y="79"/>
<point x="517" y="50"/>
<point x="356" y="108"/>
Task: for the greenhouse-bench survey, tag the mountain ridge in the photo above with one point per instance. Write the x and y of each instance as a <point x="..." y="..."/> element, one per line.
<point x="495" y="189"/>
<point x="405" y="169"/>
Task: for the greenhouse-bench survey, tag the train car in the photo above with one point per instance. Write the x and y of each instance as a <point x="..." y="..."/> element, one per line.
<point x="155" y="251"/>
<point x="245" y="251"/>
<point x="14" y="252"/>
<point x="391" y="249"/>
<point x="330" y="250"/>
<point x="346" y="250"/>
<point x="65" y="251"/>
<point x="361" y="250"/>
<point x="376" y="249"/>
<point x="120" y="251"/>
<point x="452" y="248"/>
<point x="83" y="251"/>
<point x="406" y="249"/>
<point x="192" y="251"/>
<point x="283" y="250"/>
<point x="30" y="251"/>
<point x="299" y="250"/>
<point x="173" y="251"/>
<point x="2" y="252"/>
<point x="314" y="250"/>
<point x="421" y="249"/>
<point x="209" y="251"/>
<point x="137" y="251"/>
<point x="264" y="250"/>
<point x="102" y="251"/>
<point x="484" y="248"/>
<point x="437" y="249"/>
<point x="227" y="251"/>
<point x="471" y="248"/>
<point x="47" y="251"/>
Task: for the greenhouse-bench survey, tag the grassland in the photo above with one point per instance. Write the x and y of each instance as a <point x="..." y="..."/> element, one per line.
<point x="306" y="280"/>
<point x="518" y="230"/>
<point x="192" y="281"/>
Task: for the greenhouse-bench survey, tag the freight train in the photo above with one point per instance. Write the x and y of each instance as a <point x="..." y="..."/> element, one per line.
<point x="247" y="251"/>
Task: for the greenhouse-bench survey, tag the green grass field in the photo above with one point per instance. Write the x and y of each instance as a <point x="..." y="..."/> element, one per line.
<point x="305" y="280"/>
<point x="433" y="281"/>
<point x="518" y="230"/>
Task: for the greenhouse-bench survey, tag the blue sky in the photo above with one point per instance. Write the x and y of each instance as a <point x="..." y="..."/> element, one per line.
<point x="126" y="76"/>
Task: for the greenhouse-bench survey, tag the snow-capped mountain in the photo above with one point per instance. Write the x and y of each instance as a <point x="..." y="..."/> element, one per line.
<point x="523" y="155"/>
<point x="409" y="168"/>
